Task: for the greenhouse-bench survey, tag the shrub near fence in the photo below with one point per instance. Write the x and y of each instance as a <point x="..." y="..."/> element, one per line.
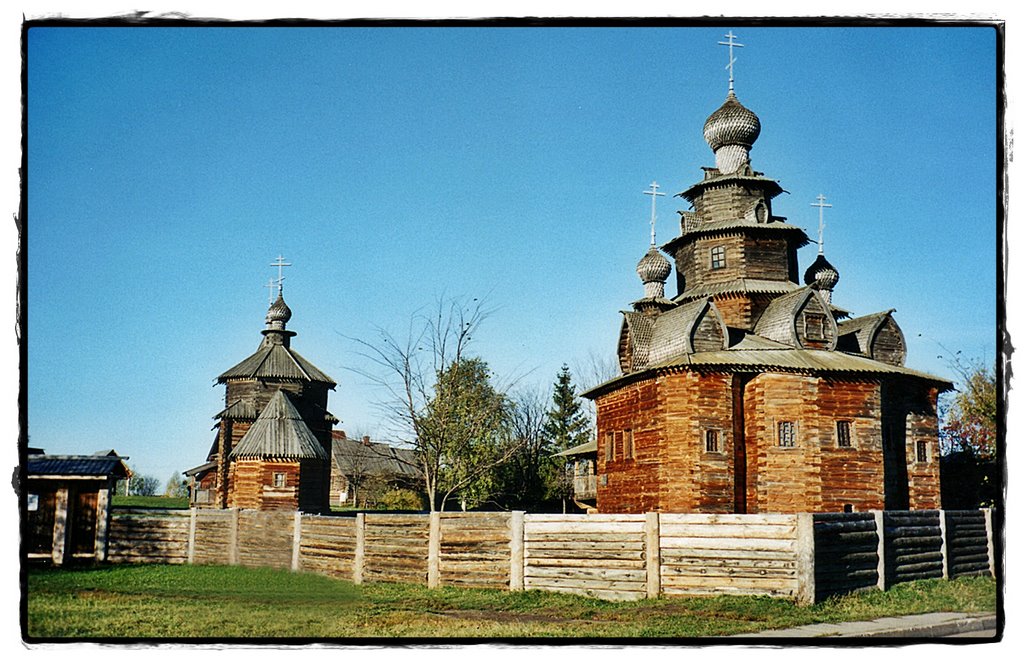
<point x="805" y="557"/>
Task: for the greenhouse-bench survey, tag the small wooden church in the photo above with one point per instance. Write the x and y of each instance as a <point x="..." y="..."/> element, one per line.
<point x="273" y="443"/>
<point x="751" y="391"/>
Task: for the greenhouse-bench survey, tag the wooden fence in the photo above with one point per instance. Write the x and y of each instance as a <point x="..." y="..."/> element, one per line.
<point x="804" y="557"/>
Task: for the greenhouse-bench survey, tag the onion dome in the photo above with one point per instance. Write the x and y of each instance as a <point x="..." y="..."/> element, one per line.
<point x="731" y="131"/>
<point x="279" y="312"/>
<point x="823" y="276"/>
<point x="653" y="270"/>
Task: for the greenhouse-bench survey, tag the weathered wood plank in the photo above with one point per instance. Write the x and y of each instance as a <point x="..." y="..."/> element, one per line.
<point x="778" y="545"/>
<point x="705" y="530"/>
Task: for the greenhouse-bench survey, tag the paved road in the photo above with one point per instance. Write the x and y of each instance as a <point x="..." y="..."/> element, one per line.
<point x="933" y="625"/>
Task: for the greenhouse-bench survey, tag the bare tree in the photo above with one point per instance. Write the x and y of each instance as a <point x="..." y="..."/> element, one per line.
<point x="440" y="398"/>
<point x="592" y="370"/>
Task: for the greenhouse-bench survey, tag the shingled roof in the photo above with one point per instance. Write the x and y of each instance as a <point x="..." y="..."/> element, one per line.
<point x="372" y="458"/>
<point x="279" y="432"/>
<point x="276" y="361"/>
<point x="855" y="334"/>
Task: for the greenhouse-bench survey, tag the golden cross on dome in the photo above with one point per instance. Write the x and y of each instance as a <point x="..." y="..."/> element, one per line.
<point x="653" y="192"/>
<point x="732" y="60"/>
<point x="821" y="222"/>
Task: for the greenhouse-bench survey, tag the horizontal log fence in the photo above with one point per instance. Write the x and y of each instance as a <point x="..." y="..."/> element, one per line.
<point x="803" y="557"/>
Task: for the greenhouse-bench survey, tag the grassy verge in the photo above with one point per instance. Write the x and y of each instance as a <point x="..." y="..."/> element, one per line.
<point x="234" y="602"/>
<point x="150" y="501"/>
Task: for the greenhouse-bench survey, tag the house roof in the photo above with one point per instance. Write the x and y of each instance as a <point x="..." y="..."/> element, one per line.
<point x="586" y="448"/>
<point x="279" y="432"/>
<point x="246" y="409"/>
<point x="754" y="354"/>
<point x="739" y="285"/>
<point x="863" y="328"/>
<point x="373" y="459"/>
<point x="43" y="465"/>
<point x="276" y="361"/>
<point x="200" y="469"/>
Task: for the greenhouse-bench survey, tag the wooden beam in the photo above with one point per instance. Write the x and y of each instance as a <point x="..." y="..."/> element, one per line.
<point x="516" y="549"/>
<point x="102" y="521"/>
<point x="359" y="564"/>
<point x="192" y="534"/>
<point x="434" y="551"/>
<point x="945" y="544"/>
<point x="990" y="544"/>
<point x="652" y="554"/>
<point x="60" y="526"/>
<point x="805" y="558"/>
<point x="233" y="556"/>
<point x="296" y="539"/>
<point x="880" y="533"/>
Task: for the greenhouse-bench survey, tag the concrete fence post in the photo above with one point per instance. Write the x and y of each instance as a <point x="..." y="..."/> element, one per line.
<point x="360" y="558"/>
<point x="991" y="546"/>
<point x="296" y="539"/>
<point x="233" y="553"/>
<point x="805" y="558"/>
<point x="880" y="533"/>
<point x="652" y="553"/>
<point x="192" y="534"/>
<point x="434" y="551"/>
<point x="517" y="555"/>
<point x="945" y="544"/>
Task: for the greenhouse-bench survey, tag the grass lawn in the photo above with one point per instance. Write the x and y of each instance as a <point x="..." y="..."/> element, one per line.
<point x="150" y="501"/>
<point x="158" y="601"/>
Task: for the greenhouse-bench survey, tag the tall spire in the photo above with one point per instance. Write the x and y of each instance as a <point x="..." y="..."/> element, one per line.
<point x="732" y="60"/>
<point x="653" y="192"/>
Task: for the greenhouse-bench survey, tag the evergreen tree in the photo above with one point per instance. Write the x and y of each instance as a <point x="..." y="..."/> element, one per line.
<point x="567" y="426"/>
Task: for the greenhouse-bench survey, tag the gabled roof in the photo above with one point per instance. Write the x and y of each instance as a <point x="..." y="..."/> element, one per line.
<point x="106" y="465"/>
<point x="276" y="361"/>
<point x="279" y="432"/>
<point x="778" y="321"/>
<point x="673" y="330"/>
<point x="373" y="459"/>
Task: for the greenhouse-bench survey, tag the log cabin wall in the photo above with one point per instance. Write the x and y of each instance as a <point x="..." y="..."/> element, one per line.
<point x="630" y="483"/>
<point x="853" y="473"/>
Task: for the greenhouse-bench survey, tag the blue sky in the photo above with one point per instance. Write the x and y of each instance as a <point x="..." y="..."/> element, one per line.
<point x="169" y="167"/>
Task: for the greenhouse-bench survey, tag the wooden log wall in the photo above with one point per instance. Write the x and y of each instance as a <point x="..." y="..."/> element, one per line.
<point x="148" y="536"/>
<point x="328" y="545"/>
<point x="845" y="553"/>
<point x="913" y="546"/>
<point x="265" y="538"/>
<point x="599" y="555"/>
<point x="966" y="544"/>
<point x="396" y="548"/>
<point x="729" y="554"/>
<point x="475" y="550"/>
<point x="212" y="535"/>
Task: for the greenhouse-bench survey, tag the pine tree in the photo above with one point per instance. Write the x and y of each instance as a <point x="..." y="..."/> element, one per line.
<point x="567" y="426"/>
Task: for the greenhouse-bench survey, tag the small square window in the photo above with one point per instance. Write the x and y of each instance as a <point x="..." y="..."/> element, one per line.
<point x="712" y="440"/>
<point x="814" y="326"/>
<point x="787" y="434"/>
<point x="279" y="480"/>
<point x="843" y="433"/>
<point x="922" y="451"/>
<point x="717" y="257"/>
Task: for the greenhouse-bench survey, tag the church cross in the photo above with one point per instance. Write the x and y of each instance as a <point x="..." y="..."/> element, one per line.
<point x="732" y="60"/>
<point x="280" y="263"/>
<point x="821" y="222"/>
<point x="272" y="286"/>
<point x="653" y="192"/>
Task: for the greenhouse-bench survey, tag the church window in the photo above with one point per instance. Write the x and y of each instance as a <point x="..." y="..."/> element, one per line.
<point x="814" y="326"/>
<point x="843" y="433"/>
<point x="279" y="480"/>
<point x="717" y="257"/>
<point x="922" y="451"/>
<point x="627" y="449"/>
<point x="761" y="213"/>
<point x="609" y="446"/>
<point x="712" y="440"/>
<point x="787" y="434"/>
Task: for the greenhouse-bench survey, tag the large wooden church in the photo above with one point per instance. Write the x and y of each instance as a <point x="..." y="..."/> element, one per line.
<point x="750" y="391"/>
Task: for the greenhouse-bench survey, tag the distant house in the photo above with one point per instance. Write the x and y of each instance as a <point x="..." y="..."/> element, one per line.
<point x="67" y="504"/>
<point x="362" y="471"/>
<point x="581" y="461"/>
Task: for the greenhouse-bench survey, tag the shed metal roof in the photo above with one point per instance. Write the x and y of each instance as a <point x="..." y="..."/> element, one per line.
<point x="40" y="465"/>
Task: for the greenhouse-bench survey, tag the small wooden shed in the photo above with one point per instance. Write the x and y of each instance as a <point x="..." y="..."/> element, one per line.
<point x="67" y="504"/>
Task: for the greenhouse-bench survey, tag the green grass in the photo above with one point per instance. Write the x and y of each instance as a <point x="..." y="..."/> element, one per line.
<point x="160" y="601"/>
<point x="150" y="501"/>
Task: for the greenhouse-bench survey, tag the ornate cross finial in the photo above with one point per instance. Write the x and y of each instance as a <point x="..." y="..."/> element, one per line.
<point x="821" y="222"/>
<point x="653" y="192"/>
<point x="272" y="285"/>
<point x="732" y="60"/>
<point x="280" y="263"/>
